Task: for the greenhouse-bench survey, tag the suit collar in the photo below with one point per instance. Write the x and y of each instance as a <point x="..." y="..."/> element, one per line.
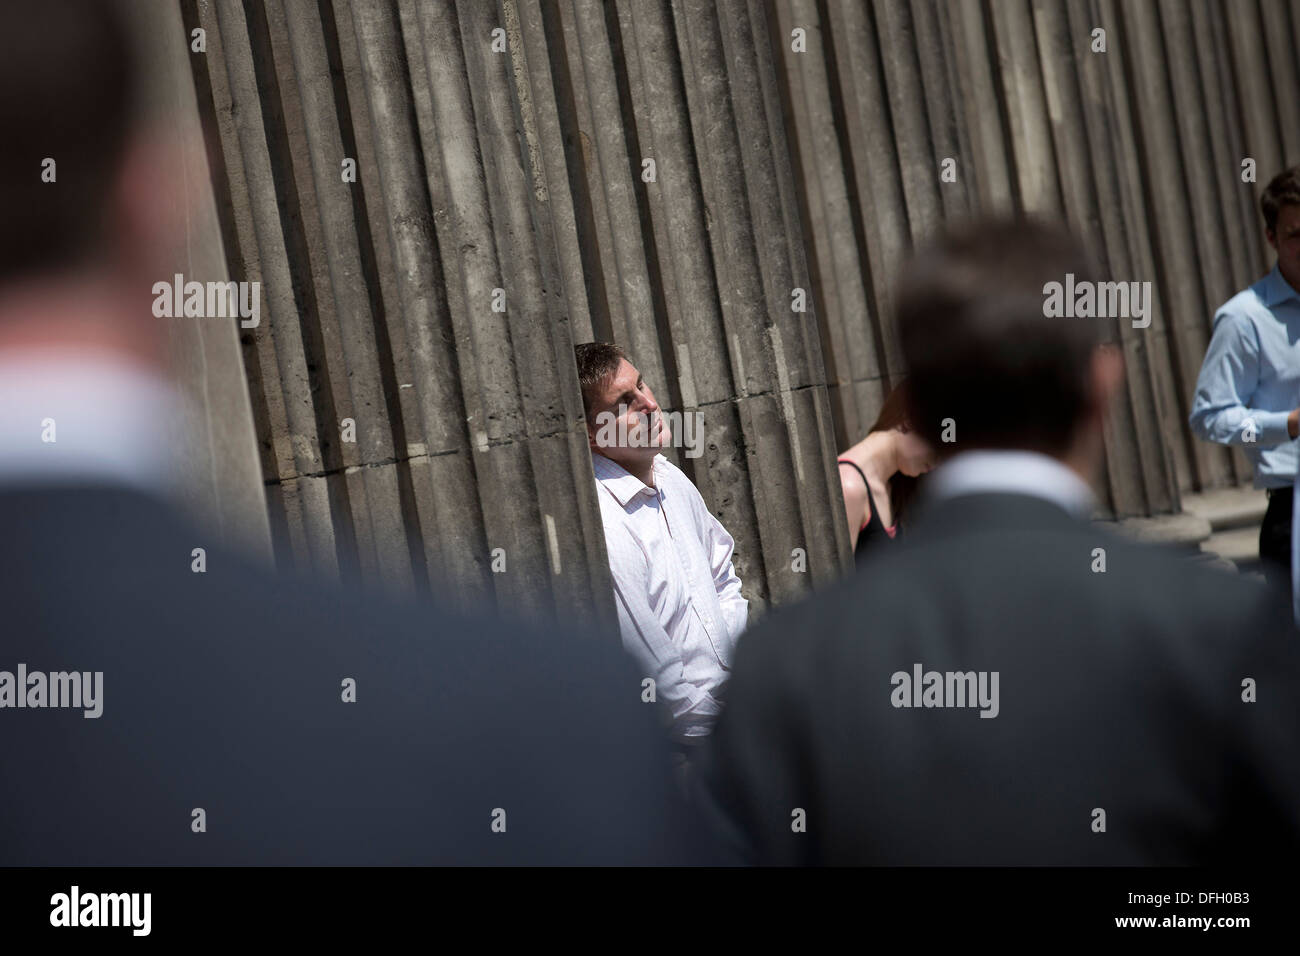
<point x="940" y="516"/>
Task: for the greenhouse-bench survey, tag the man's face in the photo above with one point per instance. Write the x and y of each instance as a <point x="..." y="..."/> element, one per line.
<point x="624" y="423"/>
<point x="1285" y="239"/>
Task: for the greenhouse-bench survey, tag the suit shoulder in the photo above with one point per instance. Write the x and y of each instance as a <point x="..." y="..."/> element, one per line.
<point x="1168" y="600"/>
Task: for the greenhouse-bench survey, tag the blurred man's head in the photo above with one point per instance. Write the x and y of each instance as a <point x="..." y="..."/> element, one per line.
<point x="67" y="87"/>
<point x="981" y="351"/>
<point x="89" y="191"/>
<point x="1280" y="204"/>
<point x="623" y="420"/>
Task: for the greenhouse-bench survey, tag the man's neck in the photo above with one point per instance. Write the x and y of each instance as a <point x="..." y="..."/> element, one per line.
<point x="1291" y="279"/>
<point x="1086" y="454"/>
<point x="644" y="471"/>
<point x="87" y="313"/>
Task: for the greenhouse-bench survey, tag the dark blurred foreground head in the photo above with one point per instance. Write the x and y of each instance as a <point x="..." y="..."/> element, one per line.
<point x="981" y="352"/>
<point x="89" y="184"/>
<point x="68" y="76"/>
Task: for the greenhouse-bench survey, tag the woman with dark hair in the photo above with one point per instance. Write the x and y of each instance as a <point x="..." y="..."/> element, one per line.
<point x="879" y="475"/>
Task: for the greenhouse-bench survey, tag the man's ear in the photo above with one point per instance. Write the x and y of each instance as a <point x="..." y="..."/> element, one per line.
<point x="1107" y="375"/>
<point x="1271" y="236"/>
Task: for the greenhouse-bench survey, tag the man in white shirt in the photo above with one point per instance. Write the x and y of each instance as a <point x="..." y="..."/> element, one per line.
<point x="678" y="599"/>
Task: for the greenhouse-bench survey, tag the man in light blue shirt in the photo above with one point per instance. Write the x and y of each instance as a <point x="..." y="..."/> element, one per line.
<point x="1249" y="387"/>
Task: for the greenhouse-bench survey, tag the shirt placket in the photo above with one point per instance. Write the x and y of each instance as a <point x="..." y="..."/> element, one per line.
<point x="700" y="603"/>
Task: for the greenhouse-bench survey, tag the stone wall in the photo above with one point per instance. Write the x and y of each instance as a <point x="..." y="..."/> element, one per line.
<point x="670" y="174"/>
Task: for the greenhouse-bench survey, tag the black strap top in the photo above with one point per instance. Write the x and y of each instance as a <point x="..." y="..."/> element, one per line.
<point x="874" y="530"/>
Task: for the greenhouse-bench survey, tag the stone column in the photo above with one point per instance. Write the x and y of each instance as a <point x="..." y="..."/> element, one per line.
<point x="216" y="446"/>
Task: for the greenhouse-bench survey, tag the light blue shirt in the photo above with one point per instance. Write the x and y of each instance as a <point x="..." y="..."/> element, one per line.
<point x="1251" y="373"/>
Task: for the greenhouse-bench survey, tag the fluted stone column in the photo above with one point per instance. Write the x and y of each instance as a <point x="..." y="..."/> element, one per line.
<point x="727" y="189"/>
<point x="215" y="450"/>
<point x="1138" y="147"/>
<point x="413" y="380"/>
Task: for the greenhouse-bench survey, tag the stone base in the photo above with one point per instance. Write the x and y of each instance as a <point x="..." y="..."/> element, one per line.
<point x="1182" y="530"/>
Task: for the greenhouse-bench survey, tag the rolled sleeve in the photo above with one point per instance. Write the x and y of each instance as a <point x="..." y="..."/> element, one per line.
<point x="1227" y="384"/>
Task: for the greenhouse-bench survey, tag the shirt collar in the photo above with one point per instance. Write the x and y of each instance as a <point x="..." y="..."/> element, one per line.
<point x="1012" y="472"/>
<point x="1277" y="289"/>
<point x="111" y="421"/>
<point x="620" y="482"/>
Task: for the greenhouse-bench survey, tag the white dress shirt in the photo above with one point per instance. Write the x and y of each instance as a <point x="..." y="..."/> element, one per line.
<point x="678" y="599"/>
<point x="111" y="421"/>
<point x="1012" y="472"/>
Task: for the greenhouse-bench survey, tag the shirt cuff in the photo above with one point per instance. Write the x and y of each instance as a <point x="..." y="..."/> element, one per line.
<point x="1271" y="427"/>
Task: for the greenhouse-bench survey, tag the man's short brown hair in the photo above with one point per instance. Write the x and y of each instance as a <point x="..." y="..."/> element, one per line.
<point x="68" y="85"/>
<point x="1282" y="190"/>
<point x="597" y="361"/>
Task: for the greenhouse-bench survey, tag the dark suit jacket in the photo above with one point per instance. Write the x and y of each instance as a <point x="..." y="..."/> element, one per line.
<point x="1118" y="691"/>
<point x="223" y="691"/>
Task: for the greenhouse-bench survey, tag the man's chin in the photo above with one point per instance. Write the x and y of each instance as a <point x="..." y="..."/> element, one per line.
<point x="630" y="456"/>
